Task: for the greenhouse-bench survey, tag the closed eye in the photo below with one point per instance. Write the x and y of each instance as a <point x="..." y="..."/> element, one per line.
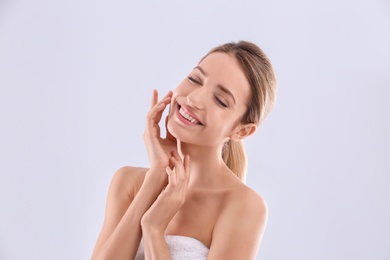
<point x="219" y="101"/>
<point x="192" y="80"/>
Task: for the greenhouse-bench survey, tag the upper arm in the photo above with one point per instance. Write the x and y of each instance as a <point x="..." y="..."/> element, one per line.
<point x="124" y="184"/>
<point x="238" y="231"/>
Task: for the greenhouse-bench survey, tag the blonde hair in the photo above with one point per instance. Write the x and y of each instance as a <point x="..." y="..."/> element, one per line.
<point x="261" y="77"/>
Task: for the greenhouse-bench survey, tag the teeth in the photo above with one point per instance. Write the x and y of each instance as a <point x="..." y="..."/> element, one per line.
<point x="187" y="116"/>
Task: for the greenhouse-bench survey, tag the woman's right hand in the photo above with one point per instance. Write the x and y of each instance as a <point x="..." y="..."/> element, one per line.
<point x="159" y="149"/>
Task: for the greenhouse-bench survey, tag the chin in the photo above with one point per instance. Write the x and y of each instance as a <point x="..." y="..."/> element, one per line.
<point x="183" y="135"/>
<point x="178" y="133"/>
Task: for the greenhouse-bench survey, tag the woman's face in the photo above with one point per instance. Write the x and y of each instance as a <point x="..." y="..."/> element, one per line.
<point x="207" y="106"/>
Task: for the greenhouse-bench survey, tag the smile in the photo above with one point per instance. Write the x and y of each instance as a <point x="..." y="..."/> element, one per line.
<point x="185" y="117"/>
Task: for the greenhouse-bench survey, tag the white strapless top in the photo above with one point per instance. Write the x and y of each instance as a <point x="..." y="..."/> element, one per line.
<point x="180" y="247"/>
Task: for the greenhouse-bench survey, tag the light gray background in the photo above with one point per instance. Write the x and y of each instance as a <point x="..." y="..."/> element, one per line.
<point x="76" y="79"/>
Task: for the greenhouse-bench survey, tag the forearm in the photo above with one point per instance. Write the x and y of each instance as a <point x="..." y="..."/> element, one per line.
<point x="155" y="221"/>
<point x="123" y="242"/>
<point x="155" y="246"/>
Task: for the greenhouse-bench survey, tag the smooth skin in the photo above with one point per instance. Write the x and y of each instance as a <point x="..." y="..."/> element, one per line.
<point x="188" y="189"/>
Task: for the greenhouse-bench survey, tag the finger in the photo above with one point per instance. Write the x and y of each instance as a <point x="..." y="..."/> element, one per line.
<point x="169" y="172"/>
<point x="167" y="98"/>
<point x="156" y="111"/>
<point x="169" y="94"/>
<point x="187" y="163"/>
<point x="151" y="119"/>
<point x="160" y="113"/>
<point x="172" y="176"/>
<point x="166" y="102"/>
<point x="182" y="174"/>
<point x="179" y="167"/>
<point x="154" y="98"/>
<point x="185" y="174"/>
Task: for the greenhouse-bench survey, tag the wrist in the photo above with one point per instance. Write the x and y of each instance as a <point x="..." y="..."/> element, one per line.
<point x="150" y="231"/>
<point x="158" y="170"/>
<point x="156" y="178"/>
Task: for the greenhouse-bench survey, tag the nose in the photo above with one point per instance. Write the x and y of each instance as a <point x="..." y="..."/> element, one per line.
<point x="197" y="98"/>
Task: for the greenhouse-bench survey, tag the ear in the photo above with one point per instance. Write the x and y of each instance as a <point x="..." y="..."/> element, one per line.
<point x="242" y="131"/>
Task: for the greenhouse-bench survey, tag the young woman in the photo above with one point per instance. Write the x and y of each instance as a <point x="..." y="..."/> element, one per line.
<point x="192" y="202"/>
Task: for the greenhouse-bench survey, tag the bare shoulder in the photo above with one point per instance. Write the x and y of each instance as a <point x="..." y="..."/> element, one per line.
<point x="245" y="200"/>
<point x="240" y="227"/>
<point x="245" y="197"/>
<point x="128" y="180"/>
<point x="125" y="184"/>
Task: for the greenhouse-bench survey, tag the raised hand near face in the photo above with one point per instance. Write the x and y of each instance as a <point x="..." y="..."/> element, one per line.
<point x="159" y="149"/>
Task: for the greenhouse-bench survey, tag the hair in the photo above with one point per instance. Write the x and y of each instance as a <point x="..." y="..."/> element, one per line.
<point x="261" y="77"/>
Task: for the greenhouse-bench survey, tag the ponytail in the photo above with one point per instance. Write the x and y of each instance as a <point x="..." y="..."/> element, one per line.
<point x="262" y="82"/>
<point x="233" y="154"/>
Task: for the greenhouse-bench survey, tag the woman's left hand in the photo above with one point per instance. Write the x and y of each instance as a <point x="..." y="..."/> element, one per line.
<point x="158" y="216"/>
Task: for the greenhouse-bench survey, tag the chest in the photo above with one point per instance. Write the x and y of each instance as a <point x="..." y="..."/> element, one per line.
<point x="197" y="217"/>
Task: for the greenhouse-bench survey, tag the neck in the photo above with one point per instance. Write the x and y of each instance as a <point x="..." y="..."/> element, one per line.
<point x="206" y="163"/>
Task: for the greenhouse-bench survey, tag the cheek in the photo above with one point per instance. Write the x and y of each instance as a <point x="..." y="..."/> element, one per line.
<point x="182" y="90"/>
<point x="178" y="91"/>
<point x="233" y="120"/>
<point x="173" y="99"/>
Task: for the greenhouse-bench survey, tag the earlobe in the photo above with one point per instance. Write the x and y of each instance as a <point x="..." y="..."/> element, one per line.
<point x="243" y="131"/>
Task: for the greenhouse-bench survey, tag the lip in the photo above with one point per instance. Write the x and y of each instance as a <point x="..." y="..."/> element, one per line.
<point x="188" y="111"/>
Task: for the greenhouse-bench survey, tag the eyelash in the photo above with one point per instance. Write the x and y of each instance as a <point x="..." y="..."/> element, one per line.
<point x="191" y="79"/>
<point x="219" y="101"/>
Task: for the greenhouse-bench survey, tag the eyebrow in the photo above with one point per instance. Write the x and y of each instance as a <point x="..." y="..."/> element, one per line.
<point x="222" y="88"/>
<point x="201" y="70"/>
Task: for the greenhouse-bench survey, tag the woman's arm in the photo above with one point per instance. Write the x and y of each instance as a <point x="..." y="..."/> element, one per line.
<point x="155" y="246"/>
<point x="238" y="231"/>
<point x="156" y="219"/>
<point x="121" y="232"/>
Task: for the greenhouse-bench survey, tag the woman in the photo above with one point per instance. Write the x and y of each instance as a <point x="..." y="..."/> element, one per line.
<point x="192" y="202"/>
